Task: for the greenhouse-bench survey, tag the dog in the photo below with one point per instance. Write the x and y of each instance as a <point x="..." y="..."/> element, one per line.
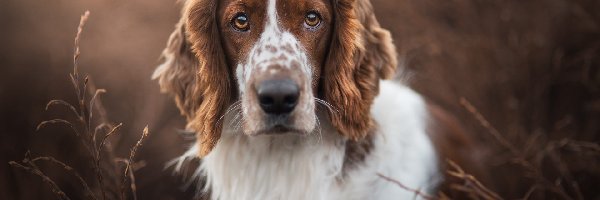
<point x="290" y="100"/>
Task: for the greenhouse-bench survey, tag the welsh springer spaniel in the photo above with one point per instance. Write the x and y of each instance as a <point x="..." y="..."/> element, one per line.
<point x="287" y="102"/>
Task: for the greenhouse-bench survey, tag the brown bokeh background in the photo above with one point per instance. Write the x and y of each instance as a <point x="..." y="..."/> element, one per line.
<point x="530" y="67"/>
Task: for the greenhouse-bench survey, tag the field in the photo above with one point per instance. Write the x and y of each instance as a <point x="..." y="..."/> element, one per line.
<point x="522" y="76"/>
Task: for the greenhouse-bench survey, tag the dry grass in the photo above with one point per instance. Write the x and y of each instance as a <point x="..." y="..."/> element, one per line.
<point x="530" y="162"/>
<point x="563" y="186"/>
<point x="470" y="185"/>
<point x="100" y="152"/>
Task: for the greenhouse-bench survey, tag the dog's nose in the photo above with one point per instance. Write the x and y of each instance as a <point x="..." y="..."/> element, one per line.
<point x="278" y="96"/>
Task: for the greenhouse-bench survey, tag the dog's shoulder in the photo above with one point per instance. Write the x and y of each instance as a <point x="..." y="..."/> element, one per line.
<point x="397" y="101"/>
<point x="403" y="151"/>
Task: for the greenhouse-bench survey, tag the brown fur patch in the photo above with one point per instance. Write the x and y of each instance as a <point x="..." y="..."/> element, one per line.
<point x="360" y="54"/>
<point x="357" y="151"/>
<point x="213" y="83"/>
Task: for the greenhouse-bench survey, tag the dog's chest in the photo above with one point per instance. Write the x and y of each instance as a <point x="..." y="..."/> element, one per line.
<point x="276" y="168"/>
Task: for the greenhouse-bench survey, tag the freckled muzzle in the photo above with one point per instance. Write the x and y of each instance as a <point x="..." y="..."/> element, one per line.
<point x="278" y="96"/>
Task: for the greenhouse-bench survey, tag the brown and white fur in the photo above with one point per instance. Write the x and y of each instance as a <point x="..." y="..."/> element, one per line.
<point x="347" y="125"/>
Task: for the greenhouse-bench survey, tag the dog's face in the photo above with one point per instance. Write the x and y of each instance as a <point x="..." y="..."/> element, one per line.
<point x="276" y="50"/>
<point x="271" y="62"/>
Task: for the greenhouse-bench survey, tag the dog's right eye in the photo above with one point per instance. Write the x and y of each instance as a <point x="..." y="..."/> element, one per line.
<point x="240" y="22"/>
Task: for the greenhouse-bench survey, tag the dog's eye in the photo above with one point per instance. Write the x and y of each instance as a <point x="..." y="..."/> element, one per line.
<point x="312" y="19"/>
<point x="240" y="22"/>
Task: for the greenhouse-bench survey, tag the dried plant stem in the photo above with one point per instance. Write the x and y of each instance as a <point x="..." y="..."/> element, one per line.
<point x="416" y="192"/>
<point x="128" y="163"/>
<point x="105" y="138"/>
<point x="82" y="22"/>
<point x="71" y="170"/>
<point x="58" y="121"/>
<point x="99" y="107"/>
<point x="488" y="126"/>
<point x="33" y="169"/>
<point x="519" y="156"/>
<point x="82" y="128"/>
<point x="55" y="189"/>
<point x="81" y="93"/>
<point x="131" y="175"/>
<point x="98" y="92"/>
<point x="473" y="185"/>
<point x="63" y="103"/>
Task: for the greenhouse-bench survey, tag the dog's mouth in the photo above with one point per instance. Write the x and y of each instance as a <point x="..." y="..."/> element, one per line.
<point x="280" y="125"/>
<point x="281" y="130"/>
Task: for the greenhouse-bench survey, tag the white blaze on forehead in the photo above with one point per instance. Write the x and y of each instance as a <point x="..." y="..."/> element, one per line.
<point x="271" y="15"/>
<point x="275" y="47"/>
<point x="239" y="75"/>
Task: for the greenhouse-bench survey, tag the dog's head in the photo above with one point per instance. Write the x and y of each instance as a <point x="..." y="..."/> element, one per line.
<point x="274" y="61"/>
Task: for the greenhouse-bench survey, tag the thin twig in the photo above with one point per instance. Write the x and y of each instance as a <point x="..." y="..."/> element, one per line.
<point x="97" y="102"/>
<point x="53" y="186"/>
<point x="487" y="125"/>
<point x="105" y="138"/>
<point x="82" y="22"/>
<point x="58" y="121"/>
<point x="416" y="192"/>
<point x="131" y="157"/>
<point x="81" y="93"/>
<point x="70" y="169"/>
<point x="64" y="103"/>
<point x="135" y="166"/>
<point x="471" y="182"/>
<point x="98" y="92"/>
<point x="519" y="156"/>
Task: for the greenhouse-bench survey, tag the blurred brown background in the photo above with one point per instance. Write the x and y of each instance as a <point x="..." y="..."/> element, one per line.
<point x="531" y="67"/>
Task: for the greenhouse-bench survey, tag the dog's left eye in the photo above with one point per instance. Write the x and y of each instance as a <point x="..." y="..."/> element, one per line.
<point x="240" y="22"/>
<point x="312" y="19"/>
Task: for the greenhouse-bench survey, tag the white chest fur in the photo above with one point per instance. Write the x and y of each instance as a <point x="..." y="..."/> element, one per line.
<point x="295" y="167"/>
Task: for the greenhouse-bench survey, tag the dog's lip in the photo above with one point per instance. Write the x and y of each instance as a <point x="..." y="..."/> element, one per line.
<point x="280" y="129"/>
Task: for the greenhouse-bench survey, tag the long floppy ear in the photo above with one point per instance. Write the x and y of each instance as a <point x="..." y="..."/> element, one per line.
<point x="177" y="75"/>
<point x="361" y="53"/>
<point x="196" y="72"/>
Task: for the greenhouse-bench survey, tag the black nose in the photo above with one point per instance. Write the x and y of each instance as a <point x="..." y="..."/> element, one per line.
<point x="278" y="96"/>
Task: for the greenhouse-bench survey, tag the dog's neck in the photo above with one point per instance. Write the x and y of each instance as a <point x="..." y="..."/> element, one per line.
<point x="275" y="166"/>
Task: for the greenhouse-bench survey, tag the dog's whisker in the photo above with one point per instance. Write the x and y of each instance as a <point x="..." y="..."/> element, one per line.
<point x="319" y="127"/>
<point x="231" y="108"/>
<point x="237" y="116"/>
<point x="235" y="120"/>
<point x="239" y="123"/>
<point x="327" y="105"/>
